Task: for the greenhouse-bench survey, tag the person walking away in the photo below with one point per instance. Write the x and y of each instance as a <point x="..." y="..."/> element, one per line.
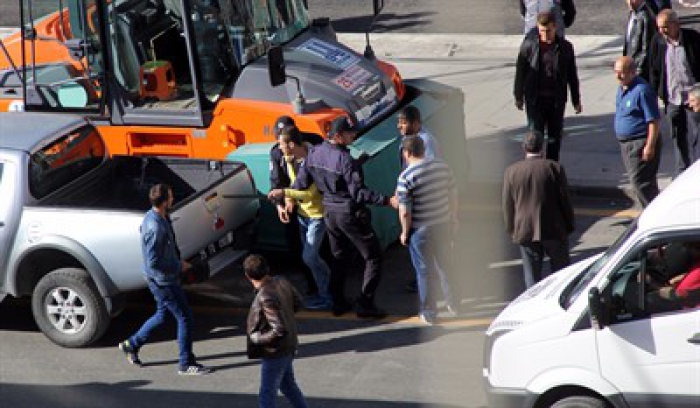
<point x="641" y="30"/>
<point x="340" y="180"/>
<point x="272" y="333"/>
<point x="674" y="69"/>
<point x="564" y="12"/>
<point x="545" y="67"/>
<point x="309" y="206"/>
<point x="637" y="121"/>
<point x="162" y="268"/>
<point x="428" y="211"/>
<point x="537" y="209"/>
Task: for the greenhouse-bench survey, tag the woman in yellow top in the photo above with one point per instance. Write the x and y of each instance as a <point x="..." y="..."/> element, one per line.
<point x="309" y="207"/>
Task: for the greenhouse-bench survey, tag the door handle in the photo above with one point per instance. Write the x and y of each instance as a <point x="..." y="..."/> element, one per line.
<point x="695" y="339"/>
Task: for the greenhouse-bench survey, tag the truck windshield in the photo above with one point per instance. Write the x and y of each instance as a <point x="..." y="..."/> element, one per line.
<point x="65" y="160"/>
<point x="256" y="25"/>
<point x="581" y="282"/>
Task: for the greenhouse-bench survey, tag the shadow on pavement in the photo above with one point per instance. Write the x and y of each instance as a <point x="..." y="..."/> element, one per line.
<point x="133" y="394"/>
<point x="386" y="22"/>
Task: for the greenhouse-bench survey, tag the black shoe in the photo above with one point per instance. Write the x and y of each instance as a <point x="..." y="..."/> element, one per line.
<point x="340" y="308"/>
<point x="131" y="354"/>
<point x="369" y="312"/>
<point x="412" y="286"/>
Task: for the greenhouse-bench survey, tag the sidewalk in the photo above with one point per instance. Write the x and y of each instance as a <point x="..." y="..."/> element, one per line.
<point x="483" y="67"/>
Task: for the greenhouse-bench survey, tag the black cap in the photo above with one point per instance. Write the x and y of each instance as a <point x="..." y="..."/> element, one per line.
<point x="281" y="123"/>
<point x="341" y="124"/>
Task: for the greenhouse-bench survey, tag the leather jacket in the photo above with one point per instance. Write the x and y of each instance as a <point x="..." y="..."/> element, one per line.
<point x="638" y="42"/>
<point x="272" y="327"/>
<point x="526" y="84"/>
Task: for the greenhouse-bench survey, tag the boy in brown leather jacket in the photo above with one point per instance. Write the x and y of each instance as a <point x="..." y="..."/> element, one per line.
<point x="272" y="332"/>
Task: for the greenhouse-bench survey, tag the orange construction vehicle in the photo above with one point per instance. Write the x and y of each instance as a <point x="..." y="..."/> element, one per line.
<point x="204" y="78"/>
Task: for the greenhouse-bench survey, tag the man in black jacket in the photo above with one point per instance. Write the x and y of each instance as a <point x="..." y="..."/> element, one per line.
<point x="641" y="29"/>
<point x="272" y="332"/>
<point x="546" y="65"/>
<point x="674" y="69"/>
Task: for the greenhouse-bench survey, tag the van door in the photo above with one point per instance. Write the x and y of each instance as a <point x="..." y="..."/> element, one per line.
<point x="7" y="221"/>
<point x="651" y="354"/>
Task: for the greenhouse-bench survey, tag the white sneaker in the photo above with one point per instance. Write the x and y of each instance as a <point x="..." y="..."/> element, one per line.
<point x="427" y="319"/>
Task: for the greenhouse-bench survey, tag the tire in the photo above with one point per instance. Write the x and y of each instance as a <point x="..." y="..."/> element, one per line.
<point x="580" y="401"/>
<point x="69" y="309"/>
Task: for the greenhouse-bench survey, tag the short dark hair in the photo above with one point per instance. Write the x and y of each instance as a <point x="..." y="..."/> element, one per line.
<point x="255" y="267"/>
<point x="159" y="194"/>
<point x="290" y="134"/>
<point x="533" y="141"/>
<point x="546" y="18"/>
<point x="281" y="123"/>
<point x="410" y="113"/>
<point x="413" y="145"/>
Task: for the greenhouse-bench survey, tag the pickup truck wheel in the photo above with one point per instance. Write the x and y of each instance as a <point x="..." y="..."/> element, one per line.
<point x="68" y="308"/>
<point x="580" y="401"/>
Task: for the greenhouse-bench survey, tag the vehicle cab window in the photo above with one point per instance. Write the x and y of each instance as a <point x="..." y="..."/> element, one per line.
<point x="65" y="160"/>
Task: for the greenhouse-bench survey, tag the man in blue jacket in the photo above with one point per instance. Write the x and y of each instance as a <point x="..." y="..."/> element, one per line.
<point x="162" y="268"/>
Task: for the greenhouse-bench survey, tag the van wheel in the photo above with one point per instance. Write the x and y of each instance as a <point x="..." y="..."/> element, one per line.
<point x="580" y="402"/>
<point x="68" y="308"/>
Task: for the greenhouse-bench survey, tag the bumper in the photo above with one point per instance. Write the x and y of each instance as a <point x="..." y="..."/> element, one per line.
<point x="508" y="397"/>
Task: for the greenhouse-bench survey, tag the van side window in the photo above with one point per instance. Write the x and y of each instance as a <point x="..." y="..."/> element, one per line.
<point x="677" y="283"/>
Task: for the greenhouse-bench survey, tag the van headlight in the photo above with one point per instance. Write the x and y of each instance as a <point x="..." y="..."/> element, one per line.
<point x="496" y="331"/>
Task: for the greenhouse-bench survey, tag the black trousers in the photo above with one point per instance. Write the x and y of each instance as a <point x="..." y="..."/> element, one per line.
<point x="684" y="132"/>
<point x="345" y="231"/>
<point x="548" y="117"/>
<point x="642" y="173"/>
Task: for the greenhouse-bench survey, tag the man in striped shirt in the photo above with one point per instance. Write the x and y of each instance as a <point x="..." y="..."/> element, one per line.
<point x="427" y="212"/>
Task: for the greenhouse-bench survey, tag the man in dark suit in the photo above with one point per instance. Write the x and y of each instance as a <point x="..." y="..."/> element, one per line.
<point x="641" y="29"/>
<point x="537" y="209"/>
<point x="674" y="69"/>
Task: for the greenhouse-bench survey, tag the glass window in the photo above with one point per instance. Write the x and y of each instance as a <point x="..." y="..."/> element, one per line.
<point x="65" y="160"/>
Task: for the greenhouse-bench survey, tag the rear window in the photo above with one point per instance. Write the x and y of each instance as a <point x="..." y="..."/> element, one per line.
<point x="65" y="160"/>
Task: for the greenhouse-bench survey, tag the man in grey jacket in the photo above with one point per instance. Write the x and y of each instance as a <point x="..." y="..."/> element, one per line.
<point x="564" y="12"/>
<point x="537" y="209"/>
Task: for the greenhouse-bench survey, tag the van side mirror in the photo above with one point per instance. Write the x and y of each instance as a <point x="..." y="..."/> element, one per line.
<point x="275" y="66"/>
<point x="377" y="6"/>
<point x="596" y="308"/>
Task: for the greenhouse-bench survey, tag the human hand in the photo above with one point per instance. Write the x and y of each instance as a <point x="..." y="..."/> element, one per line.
<point x="404" y="238"/>
<point x="283" y="214"/>
<point x="276" y="194"/>
<point x="648" y="152"/>
<point x="578" y="108"/>
<point x="394" y="202"/>
<point x="519" y="104"/>
<point x="255" y="337"/>
<point x="676" y="279"/>
<point x="289" y="205"/>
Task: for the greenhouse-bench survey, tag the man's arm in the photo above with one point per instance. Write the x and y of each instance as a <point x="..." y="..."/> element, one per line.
<point x="522" y="65"/>
<point x="271" y="310"/>
<point x="508" y="204"/>
<point x="573" y="81"/>
<point x="405" y="220"/>
<point x="652" y="136"/>
<point x="352" y="173"/>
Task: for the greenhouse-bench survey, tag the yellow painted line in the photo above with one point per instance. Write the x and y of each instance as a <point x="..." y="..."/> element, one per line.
<point x="350" y="316"/>
<point x="596" y="212"/>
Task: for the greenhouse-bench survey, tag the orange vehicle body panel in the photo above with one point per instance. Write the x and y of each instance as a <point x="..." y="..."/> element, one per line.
<point x="236" y="122"/>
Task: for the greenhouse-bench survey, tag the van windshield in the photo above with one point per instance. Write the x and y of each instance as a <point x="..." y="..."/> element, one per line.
<point x="581" y="282"/>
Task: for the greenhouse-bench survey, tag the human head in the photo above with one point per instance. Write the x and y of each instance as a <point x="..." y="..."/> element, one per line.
<point x="289" y="138"/>
<point x="533" y="141"/>
<point x="547" y="27"/>
<point x="669" y="24"/>
<point x="633" y="4"/>
<point x="255" y="267"/>
<point x="281" y="123"/>
<point x="409" y="121"/>
<point x="694" y="98"/>
<point x="625" y="70"/>
<point x="413" y="148"/>
<point x="342" y="131"/>
<point x="161" y="196"/>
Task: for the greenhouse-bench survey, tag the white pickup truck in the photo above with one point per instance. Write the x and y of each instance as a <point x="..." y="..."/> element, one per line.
<point x="70" y="216"/>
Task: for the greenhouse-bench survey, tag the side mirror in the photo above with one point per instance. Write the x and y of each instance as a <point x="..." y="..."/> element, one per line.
<point x="377" y="6"/>
<point x="275" y="66"/>
<point x="596" y="308"/>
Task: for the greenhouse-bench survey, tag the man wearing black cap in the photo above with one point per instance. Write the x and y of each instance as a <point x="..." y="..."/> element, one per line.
<point x="345" y="198"/>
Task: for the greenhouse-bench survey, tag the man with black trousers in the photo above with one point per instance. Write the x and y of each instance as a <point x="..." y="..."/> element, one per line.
<point x="641" y="30"/>
<point x="545" y="67"/>
<point x="674" y="69"/>
<point x="340" y="179"/>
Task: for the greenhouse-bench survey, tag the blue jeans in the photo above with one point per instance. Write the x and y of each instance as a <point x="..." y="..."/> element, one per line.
<point x="277" y="374"/>
<point x="312" y="231"/>
<point x="429" y="252"/>
<point x="169" y="298"/>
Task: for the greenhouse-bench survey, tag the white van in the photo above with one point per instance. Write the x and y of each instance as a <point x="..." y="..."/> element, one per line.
<point x="597" y="334"/>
